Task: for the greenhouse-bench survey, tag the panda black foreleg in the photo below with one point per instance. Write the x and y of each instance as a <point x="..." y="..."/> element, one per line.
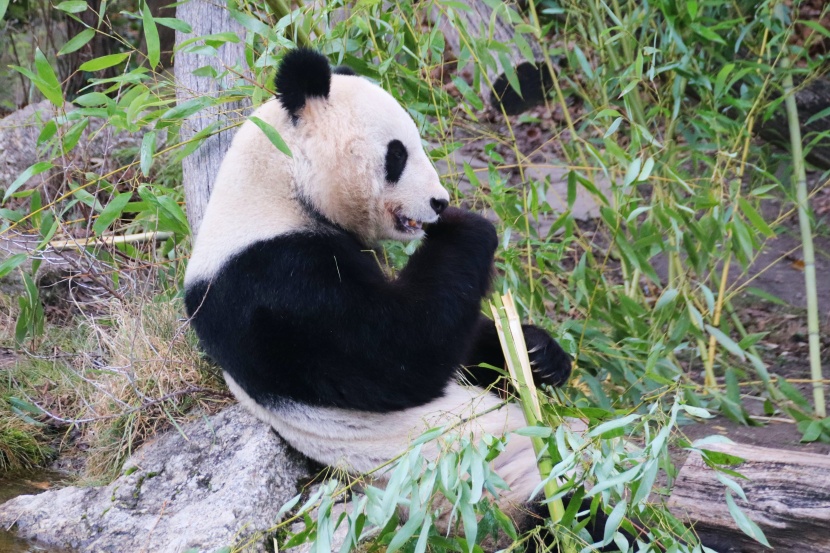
<point x="549" y="362"/>
<point x="454" y="265"/>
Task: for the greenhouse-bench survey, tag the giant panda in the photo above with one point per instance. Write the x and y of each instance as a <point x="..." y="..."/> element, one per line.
<point x="285" y="292"/>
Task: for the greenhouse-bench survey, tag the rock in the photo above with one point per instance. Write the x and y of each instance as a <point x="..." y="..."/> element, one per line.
<point x="222" y="478"/>
<point x="18" y="142"/>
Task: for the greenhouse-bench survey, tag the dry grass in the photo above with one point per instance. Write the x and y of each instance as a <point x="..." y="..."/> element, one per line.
<point x="147" y="374"/>
<point x="105" y="383"/>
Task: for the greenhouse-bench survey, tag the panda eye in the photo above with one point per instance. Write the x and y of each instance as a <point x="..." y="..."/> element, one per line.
<point x="396" y="156"/>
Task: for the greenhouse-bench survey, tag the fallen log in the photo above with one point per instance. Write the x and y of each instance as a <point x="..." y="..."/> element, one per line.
<point x="788" y="496"/>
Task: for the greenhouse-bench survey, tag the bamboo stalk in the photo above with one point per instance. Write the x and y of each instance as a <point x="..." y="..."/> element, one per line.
<point x="512" y="340"/>
<point x="280" y="8"/>
<point x="800" y="175"/>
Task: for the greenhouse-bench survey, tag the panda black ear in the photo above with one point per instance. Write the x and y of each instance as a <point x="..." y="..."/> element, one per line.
<point x="302" y="74"/>
<point x="344" y="70"/>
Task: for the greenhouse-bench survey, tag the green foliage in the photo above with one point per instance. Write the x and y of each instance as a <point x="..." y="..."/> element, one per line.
<point x="660" y="98"/>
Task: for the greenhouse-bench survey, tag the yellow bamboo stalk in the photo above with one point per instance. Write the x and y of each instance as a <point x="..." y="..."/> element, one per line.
<point x="512" y="340"/>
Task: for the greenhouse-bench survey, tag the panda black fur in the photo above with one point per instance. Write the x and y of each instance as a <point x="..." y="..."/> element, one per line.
<point x="286" y="295"/>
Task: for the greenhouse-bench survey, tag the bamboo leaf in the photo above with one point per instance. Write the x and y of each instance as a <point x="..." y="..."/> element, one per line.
<point x="744" y="523"/>
<point x="820" y="115"/>
<point x="48" y="131"/>
<point x="103" y="62"/>
<point x="183" y="110"/>
<point x="763" y="294"/>
<point x="727" y="342"/>
<point x="72" y="6"/>
<point x="111" y="212"/>
<point x="612" y="425"/>
<point x="11" y="263"/>
<point x="77" y="42"/>
<point x="755" y="218"/>
<point x="613" y="128"/>
<point x="47" y="81"/>
<point x="73" y="135"/>
<point x="698" y="412"/>
<point x="151" y="35"/>
<point x="614" y="520"/>
<point x="666" y="298"/>
<point x="30" y="172"/>
<point x="148" y="147"/>
<point x="272" y="135"/>
<point x="510" y="73"/>
<point x="633" y="171"/>
<point x="812" y="433"/>
<point x="175" y="24"/>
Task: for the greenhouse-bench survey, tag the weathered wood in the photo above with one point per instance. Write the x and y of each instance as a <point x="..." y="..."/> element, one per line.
<point x="534" y="78"/>
<point x="788" y="496"/>
<point x="199" y="168"/>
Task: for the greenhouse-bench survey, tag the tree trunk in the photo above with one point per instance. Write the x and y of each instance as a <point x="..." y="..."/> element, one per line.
<point x="534" y="78"/>
<point x="200" y="167"/>
<point x="788" y="496"/>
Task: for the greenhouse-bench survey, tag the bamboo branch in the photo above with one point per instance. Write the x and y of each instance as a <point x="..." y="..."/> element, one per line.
<point x="79" y="243"/>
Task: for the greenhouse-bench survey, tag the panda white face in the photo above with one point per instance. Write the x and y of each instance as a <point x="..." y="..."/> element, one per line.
<point x="362" y="163"/>
<point x="357" y="161"/>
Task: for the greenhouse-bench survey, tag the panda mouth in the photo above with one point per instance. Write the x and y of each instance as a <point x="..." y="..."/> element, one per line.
<point x="405" y="224"/>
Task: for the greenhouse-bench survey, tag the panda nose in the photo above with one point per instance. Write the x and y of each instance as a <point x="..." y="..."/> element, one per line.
<point x="438" y="205"/>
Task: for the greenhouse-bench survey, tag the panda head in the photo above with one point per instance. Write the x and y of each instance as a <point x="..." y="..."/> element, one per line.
<point x="358" y="157"/>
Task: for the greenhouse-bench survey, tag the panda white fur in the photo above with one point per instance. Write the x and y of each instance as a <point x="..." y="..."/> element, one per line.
<point x="286" y="295"/>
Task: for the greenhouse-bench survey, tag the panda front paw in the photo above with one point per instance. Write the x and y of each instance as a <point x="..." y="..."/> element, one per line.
<point x="548" y="361"/>
<point x="457" y="223"/>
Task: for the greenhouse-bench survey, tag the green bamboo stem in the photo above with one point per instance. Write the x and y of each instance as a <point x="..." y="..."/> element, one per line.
<point x="518" y="364"/>
<point x="800" y="176"/>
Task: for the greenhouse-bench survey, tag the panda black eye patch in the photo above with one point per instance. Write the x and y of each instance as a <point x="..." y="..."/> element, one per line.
<point x="396" y="156"/>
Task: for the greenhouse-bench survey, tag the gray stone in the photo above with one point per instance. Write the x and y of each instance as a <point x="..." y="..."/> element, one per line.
<point x="586" y="205"/>
<point x="222" y="478"/>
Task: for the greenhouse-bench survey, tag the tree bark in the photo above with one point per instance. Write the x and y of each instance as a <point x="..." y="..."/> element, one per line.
<point x="534" y="78"/>
<point x="788" y="496"/>
<point x="200" y="167"/>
